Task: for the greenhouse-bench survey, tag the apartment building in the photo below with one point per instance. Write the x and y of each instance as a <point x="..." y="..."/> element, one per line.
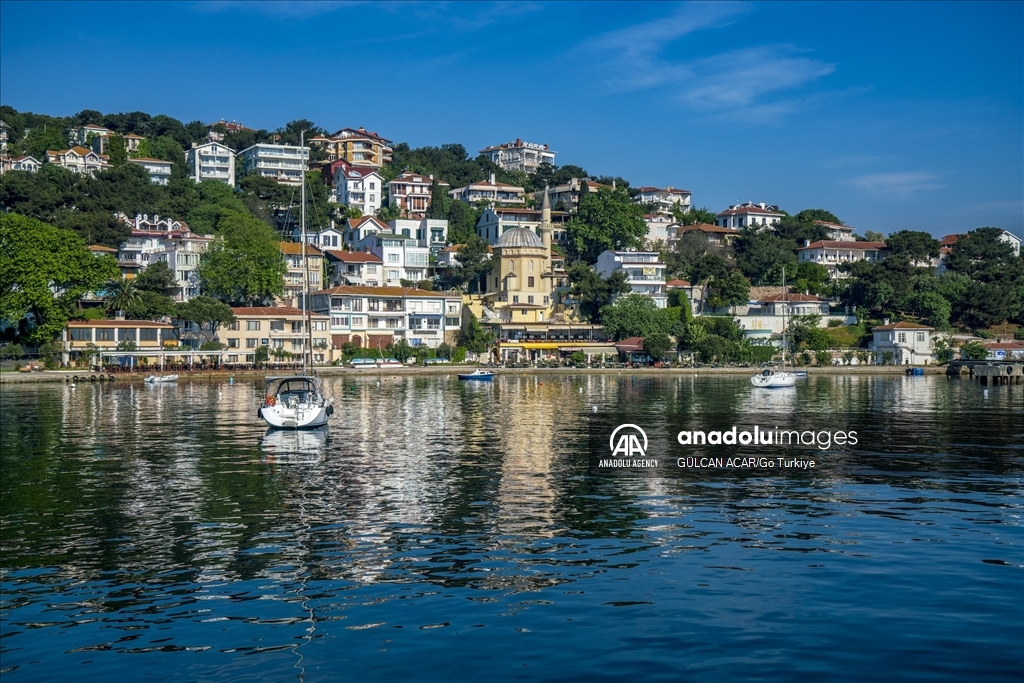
<point x="211" y="161"/>
<point x="644" y="271"/>
<point x="490" y="191"/>
<point x="356" y="146"/>
<point x="658" y="227"/>
<point x="832" y="254"/>
<point x="377" y="316"/>
<point x="358" y="268"/>
<point x="411" y="192"/>
<point x="78" y="160"/>
<point x="837" y="232"/>
<point x="566" y="197"/>
<point x="283" y="163"/>
<point x="164" y="239"/>
<point x="159" y="170"/>
<point x="295" y="267"/>
<point x="428" y="232"/>
<point x="747" y="215"/>
<point x="495" y="221"/>
<point x="281" y="329"/>
<point x="666" y="200"/>
<point x="519" y="155"/>
<point x="359" y="187"/>
<point x="402" y="257"/>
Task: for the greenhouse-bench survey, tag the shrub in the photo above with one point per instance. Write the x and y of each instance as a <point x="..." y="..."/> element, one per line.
<point x="578" y="358"/>
<point x="1019" y="334"/>
<point x="835" y="323"/>
<point x="459" y="354"/>
<point x="984" y="334"/>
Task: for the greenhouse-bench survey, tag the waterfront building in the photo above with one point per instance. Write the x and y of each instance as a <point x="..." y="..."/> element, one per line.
<point x="357" y="268"/>
<point x="296" y="267"/>
<point x="411" y="193"/>
<point x="211" y="161"/>
<point x="831" y="254"/>
<point x="644" y="270"/>
<point x="78" y="160"/>
<point x="666" y="200"/>
<point x="519" y="155"/>
<point x="748" y="215"/>
<point x="905" y="343"/>
<point x="375" y="317"/>
<point x="159" y="170"/>
<point x="356" y="146"/>
<point x="283" y="163"/>
<point x="358" y="187"/>
<point x="495" y="221"/>
<point x="80" y="336"/>
<point x="490" y="191"/>
<point x="431" y="233"/>
<point x="281" y="329"/>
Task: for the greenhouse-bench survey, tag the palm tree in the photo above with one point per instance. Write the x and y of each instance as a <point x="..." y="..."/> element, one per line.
<point x="123" y="295"/>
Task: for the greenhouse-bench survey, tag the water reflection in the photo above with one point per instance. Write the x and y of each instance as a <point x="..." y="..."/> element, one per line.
<point x="295" y="446"/>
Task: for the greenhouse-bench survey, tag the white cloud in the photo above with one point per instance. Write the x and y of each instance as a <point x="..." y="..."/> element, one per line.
<point x="900" y="184"/>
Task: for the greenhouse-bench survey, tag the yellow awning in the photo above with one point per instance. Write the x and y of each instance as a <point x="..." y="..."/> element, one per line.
<point x="532" y="345"/>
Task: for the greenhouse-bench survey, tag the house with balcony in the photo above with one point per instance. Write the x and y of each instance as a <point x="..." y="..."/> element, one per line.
<point x="837" y="232"/>
<point x="903" y="343"/>
<point x="645" y="273"/>
<point x="715" y="234"/>
<point x="354" y="268"/>
<point x="159" y="170"/>
<point x="355" y="146"/>
<point x="211" y="161"/>
<point x="832" y="254"/>
<point x="283" y="163"/>
<point x="566" y="197"/>
<point x="411" y="193"/>
<point x="490" y="191"/>
<point x="658" y="227"/>
<point x="296" y="267"/>
<point x="519" y="155"/>
<point x="281" y="329"/>
<point x="357" y="229"/>
<point x="78" y="160"/>
<point x="748" y="215"/>
<point x="25" y="163"/>
<point x="428" y="232"/>
<point x="359" y="187"/>
<point x="402" y="257"/>
<point x="164" y="239"/>
<point x="86" y="136"/>
<point x="496" y="221"/>
<point x="665" y="200"/>
<point x="375" y="317"/>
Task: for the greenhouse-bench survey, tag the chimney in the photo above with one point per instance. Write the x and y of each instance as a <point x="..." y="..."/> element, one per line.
<point x="885" y="321"/>
<point x="366" y="250"/>
<point x="762" y="205"/>
<point x="490" y="179"/>
<point x="519" y="142"/>
<point x="807" y="243"/>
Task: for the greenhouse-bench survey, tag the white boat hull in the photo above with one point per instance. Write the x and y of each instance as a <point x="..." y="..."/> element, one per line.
<point x="774" y="380"/>
<point x="283" y="417"/>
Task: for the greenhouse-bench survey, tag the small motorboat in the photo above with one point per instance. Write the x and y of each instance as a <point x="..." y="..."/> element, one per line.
<point x="295" y="402"/>
<point x="773" y="379"/>
<point x="915" y="372"/>
<point x="479" y="374"/>
<point x="157" y="379"/>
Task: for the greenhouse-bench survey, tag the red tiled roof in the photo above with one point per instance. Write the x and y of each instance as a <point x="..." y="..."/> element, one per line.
<point x="677" y="283"/>
<point x="630" y="344"/>
<point x="902" y="326"/>
<point x="119" y="323"/>
<point x="352" y="256"/>
<point x="707" y="227"/>
<point x="354" y="223"/>
<point x="295" y="249"/>
<point x="834" y="244"/>
<point x="948" y="240"/>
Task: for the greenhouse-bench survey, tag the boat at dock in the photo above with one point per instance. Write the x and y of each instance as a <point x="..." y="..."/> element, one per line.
<point x="158" y="379"/>
<point x="479" y="375"/>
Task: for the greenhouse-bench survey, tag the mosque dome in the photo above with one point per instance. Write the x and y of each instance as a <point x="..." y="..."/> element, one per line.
<point x="519" y="237"/>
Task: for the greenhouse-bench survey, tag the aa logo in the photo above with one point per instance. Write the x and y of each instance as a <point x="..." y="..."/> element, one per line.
<point x="628" y="445"/>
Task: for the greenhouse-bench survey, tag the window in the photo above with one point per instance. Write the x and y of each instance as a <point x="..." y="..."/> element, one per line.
<point x="392" y="274"/>
<point x="296" y="344"/>
<point x="511" y="265"/>
<point x="530" y="280"/>
<point x="433" y="323"/>
<point x="357" y="321"/>
<point x="547" y="300"/>
<point x="371" y="269"/>
<point x="251" y="343"/>
<point x="276" y="326"/>
<point x="233" y="343"/>
<point x="279" y="343"/>
<point x="495" y="283"/>
<point x="357" y="304"/>
<point x="902" y="338"/>
<point x="339" y="321"/>
<point x="319" y="325"/>
<point x="149" y="334"/>
<point x="529" y="299"/>
<point x="394" y="323"/>
<point x="251" y="325"/>
<point x="296" y="326"/>
<point x="81" y="333"/>
<point x="104" y="334"/>
<point x="233" y="326"/>
<point x="522" y="311"/>
<point x="531" y="266"/>
<point x="920" y="336"/>
<point x="451" y="322"/>
<point x="373" y="186"/>
<point x="392" y="258"/>
<point x="515" y="298"/>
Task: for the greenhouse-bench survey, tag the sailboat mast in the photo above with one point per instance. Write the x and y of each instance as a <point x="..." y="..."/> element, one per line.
<point x="784" y="307"/>
<point x="305" y="260"/>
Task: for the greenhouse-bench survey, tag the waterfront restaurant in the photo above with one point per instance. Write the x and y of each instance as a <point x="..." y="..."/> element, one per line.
<point x="526" y="342"/>
<point x="145" y="336"/>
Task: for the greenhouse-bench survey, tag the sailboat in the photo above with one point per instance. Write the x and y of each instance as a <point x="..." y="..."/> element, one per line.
<point x="297" y="401"/>
<point x="776" y="379"/>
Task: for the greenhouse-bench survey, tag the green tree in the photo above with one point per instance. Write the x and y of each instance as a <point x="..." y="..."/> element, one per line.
<point x="606" y="219"/>
<point x="245" y="266"/>
<point x="122" y="295"/>
<point x="206" y="312"/>
<point x="44" y="271"/>
<point x="913" y="245"/>
<point x="762" y="256"/>
<point x="695" y="216"/>
<point x="157" y="277"/>
<point x="592" y="291"/>
<point x="473" y="261"/>
<point x="657" y="345"/>
<point x="472" y="336"/>
<point x="117" y="151"/>
<point x="633" y="315"/>
<point x="973" y="350"/>
<point x="872" y="236"/>
<point x="401" y="351"/>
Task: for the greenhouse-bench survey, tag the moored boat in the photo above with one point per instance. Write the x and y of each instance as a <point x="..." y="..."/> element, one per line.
<point x="479" y="374"/>
<point x="295" y="402"/>
<point x="155" y="379"/>
<point x="773" y="379"/>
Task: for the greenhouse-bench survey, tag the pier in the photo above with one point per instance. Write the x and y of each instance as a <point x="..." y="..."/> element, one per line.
<point x="995" y="373"/>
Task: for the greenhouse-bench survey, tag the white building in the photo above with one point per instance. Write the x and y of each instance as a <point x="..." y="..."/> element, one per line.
<point x="519" y="155"/>
<point x="165" y="239"/>
<point x="644" y="271"/>
<point x="83" y="136"/>
<point x="211" y="161"/>
<point x="159" y="170"/>
<point x="428" y="232"/>
<point x="78" y="160"/>
<point x="402" y="257"/>
<point x="838" y="232"/>
<point x="283" y="163"/>
<point x="411" y="193"/>
<point x="658" y="225"/>
<point x="833" y="253"/>
<point x="567" y="196"/>
<point x="908" y="343"/>
<point x="377" y="316"/>
<point x="360" y="187"/>
<point x="23" y="163"/>
<point x="1012" y="240"/>
<point x="358" y="229"/>
<point x="666" y="199"/>
<point x="494" y="222"/>
<point x="748" y="215"/>
<point x="357" y="268"/>
<point x="490" y="191"/>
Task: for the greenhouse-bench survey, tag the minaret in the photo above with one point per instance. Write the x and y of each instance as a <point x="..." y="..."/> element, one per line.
<point x="545" y="221"/>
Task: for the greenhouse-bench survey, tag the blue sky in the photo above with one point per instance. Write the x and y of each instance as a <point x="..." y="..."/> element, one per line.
<point x="891" y="115"/>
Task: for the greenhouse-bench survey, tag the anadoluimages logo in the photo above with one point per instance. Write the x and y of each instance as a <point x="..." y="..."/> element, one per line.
<point x="628" y="444"/>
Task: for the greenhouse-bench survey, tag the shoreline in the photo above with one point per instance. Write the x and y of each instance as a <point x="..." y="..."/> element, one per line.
<point x="51" y="376"/>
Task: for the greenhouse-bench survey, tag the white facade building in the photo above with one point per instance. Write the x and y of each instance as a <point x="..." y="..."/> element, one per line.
<point x="411" y="193"/>
<point x="428" y="232"/>
<point x="401" y="257"/>
<point x="165" y="239"/>
<point x="23" y="163"/>
<point x="666" y="199"/>
<point x="748" y="215"/>
<point x="360" y="187"/>
<point x="833" y="253"/>
<point x="494" y="222"/>
<point x="78" y="160"/>
<point x="159" y="170"/>
<point x="211" y="161"/>
<point x="359" y="228"/>
<point x="490" y="191"/>
<point x="358" y="268"/>
<point x="644" y="271"/>
<point x="519" y="155"/>
<point x="908" y="343"/>
<point x="838" y="232"/>
<point x="283" y="163"/>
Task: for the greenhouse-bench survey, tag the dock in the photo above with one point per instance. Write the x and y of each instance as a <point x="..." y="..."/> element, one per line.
<point x="994" y="373"/>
